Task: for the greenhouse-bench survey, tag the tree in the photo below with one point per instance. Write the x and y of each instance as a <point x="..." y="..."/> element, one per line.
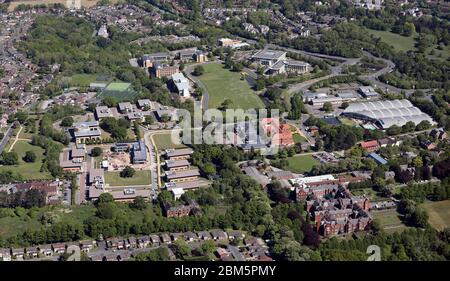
<point x="344" y="105"/>
<point x="127" y="172"/>
<point x="424" y="125"/>
<point x="226" y="104"/>
<point x="105" y="198"/>
<point x="149" y="120"/>
<point x="139" y="203"/>
<point x="296" y="108"/>
<point x="417" y="162"/>
<point x="327" y="107"/>
<point x="30" y="156"/>
<point x="198" y="70"/>
<point x="67" y="122"/>
<point x="9" y="158"/>
<point x="394" y="130"/>
<point x="96" y="151"/>
<point x="419" y="217"/>
<point x="409" y="29"/>
<point x="21" y="116"/>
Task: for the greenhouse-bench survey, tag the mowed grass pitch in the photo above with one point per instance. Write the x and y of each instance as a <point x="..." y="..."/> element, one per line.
<point x="164" y="141"/>
<point x="223" y="84"/>
<point x="120" y="91"/>
<point x="29" y="171"/>
<point x="141" y="177"/>
<point x="301" y="164"/>
<point x="439" y="213"/>
<point x="399" y="42"/>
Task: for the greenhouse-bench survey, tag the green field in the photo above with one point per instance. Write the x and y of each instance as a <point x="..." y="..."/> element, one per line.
<point x="29" y="171"/>
<point x="139" y="178"/>
<point x="117" y="86"/>
<point x="223" y="84"/>
<point x="439" y="213"/>
<point x="389" y="221"/>
<point x="298" y="138"/>
<point x="13" y="225"/>
<point x="301" y="164"/>
<point x="399" y="42"/>
<point x="164" y="141"/>
<point x="82" y="80"/>
<point x="120" y="91"/>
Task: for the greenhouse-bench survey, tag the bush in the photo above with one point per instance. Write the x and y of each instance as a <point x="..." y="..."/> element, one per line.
<point x="30" y="157"/>
<point x="128" y="172"/>
<point x="198" y="70"/>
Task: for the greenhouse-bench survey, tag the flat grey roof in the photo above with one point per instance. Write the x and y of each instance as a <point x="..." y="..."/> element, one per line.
<point x="179" y="152"/>
<point x="182" y="174"/>
<point x="177" y="163"/>
<point x="269" y="54"/>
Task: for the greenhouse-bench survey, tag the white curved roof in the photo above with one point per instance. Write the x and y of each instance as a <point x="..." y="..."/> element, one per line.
<point x="389" y="112"/>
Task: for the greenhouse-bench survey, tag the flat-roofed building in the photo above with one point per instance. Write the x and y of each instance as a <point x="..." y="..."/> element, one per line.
<point x="177" y="165"/>
<point x="139" y="153"/>
<point x="163" y="70"/>
<point x="181" y="84"/>
<point x="144" y="104"/>
<point x="103" y="112"/>
<point x="232" y="43"/>
<point x="86" y="131"/>
<point x="97" y="178"/>
<point x="149" y="59"/>
<point x="183" y="176"/>
<point x="368" y="92"/>
<point x="179" y="154"/>
<point x="269" y="57"/>
<point x="125" y="107"/>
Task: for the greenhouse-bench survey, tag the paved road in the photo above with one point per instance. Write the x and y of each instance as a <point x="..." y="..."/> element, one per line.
<point x="6" y="138"/>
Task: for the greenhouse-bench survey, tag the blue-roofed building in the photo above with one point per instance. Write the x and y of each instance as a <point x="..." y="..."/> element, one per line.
<point x="380" y="160"/>
<point x="139" y="153"/>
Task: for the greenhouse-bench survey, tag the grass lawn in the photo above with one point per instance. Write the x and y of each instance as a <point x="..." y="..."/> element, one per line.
<point x="117" y="86"/>
<point x="389" y="220"/>
<point x="399" y="42"/>
<point x="119" y="90"/>
<point x="82" y="80"/>
<point x="15" y="225"/>
<point x="443" y="54"/>
<point x="164" y="141"/>
<point x="439" y="213"/>
<point x="223" y="84"/>
<point x="301" y="164"/>
<point x="29" y="171"/>
<point x="298" y="138"/>
<point x="139" y="178"/>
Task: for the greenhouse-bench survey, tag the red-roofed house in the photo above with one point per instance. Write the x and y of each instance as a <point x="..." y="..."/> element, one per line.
<point x="370" y="146"/>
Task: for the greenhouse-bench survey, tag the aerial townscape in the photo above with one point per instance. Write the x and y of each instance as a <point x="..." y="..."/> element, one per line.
<point x="250" y="130"/>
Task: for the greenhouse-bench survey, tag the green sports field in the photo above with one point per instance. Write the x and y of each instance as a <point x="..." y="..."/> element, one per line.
<point x="439" y="213"/>
<point x="117" y="86"/>
<point x="120" y="91"/>
<point x="223" y="84"/>
<point x="301" y="164"/>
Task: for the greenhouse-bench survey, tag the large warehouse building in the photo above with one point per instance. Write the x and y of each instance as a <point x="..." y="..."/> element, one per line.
<point x="387" y="113"/>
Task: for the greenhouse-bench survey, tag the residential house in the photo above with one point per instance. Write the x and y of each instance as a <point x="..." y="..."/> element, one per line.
<point x="190" y="236"/>
<point x="218" y="234"/>
<point x="236" y="234"/>
<point x="32" y="252"/>
<point x="87" y="246"/>
<point x="18" y="253"/>
<point x="46" y="250"/>
<point x="156" y="241"/>
<point x="182" y="176"/>
<point x="5" y="255"/>
<point x="103" y="112"/>
<point x="125" y="107"/>
<point x="204" y="235"/>
<point x="150" y="59"/>
<point x="144" y="104"/>
<point x="370" y="146"/>
<point x="179" y="154"/>
<point x="59" y="248"/>
<point x="143" y="241"/>
<point x="165" y="238"/>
